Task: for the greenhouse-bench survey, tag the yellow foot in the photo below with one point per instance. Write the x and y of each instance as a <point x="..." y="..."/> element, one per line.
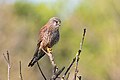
<point x="49" y="50"/>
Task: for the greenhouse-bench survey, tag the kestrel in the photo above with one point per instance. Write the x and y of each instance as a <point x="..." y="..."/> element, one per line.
<point x="48" y="36"/>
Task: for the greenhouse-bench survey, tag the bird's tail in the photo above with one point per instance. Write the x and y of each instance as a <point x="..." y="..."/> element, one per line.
<point x="32" y="62"/>
<point x="38" y="55"/>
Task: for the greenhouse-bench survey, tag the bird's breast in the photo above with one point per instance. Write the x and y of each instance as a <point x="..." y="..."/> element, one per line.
<point x="54" y="37"/>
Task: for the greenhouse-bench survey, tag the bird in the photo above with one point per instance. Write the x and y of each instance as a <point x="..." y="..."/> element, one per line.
<point x="48" y="36"/>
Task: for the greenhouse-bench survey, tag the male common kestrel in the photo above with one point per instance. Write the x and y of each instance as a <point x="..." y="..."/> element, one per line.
<point x="48" y="36"/>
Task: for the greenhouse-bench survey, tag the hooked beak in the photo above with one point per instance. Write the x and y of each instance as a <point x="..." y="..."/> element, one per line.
<point x="59" y="24"/>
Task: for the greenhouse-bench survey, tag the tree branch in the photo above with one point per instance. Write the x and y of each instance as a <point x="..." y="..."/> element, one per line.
<point x="20" y="71"/>
<point x="41" y="71"/>
<point x="78" y="54"/>
<point x="68" y="68"/>
<point x="79" y="77"/>
<point x="7" y="59"/>
<point x="55" y="68"/>
<point x="68" y="76"/>
<point x="75" y="58"/>
<point x="57" y="74"/>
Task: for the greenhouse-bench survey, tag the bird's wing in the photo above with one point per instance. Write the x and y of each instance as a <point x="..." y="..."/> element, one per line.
<point x="39" y="53"/>
<point x="41" y="33"/>
<point x="44" y="36"/>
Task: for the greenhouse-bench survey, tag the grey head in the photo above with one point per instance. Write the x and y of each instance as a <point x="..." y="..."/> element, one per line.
<point x="55" y="21"/>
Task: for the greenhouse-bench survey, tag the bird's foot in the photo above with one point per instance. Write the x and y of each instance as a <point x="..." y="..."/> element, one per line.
<point x="49" y="50"/>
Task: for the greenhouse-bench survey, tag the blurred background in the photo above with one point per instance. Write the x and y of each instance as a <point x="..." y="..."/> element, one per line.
<point x="20" y="21"/>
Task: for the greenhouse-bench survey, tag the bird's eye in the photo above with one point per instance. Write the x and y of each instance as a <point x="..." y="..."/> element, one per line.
<point x="56" y="21"/>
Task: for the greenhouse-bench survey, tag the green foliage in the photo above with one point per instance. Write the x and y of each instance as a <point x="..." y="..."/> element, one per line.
<point x="23" y="9"/>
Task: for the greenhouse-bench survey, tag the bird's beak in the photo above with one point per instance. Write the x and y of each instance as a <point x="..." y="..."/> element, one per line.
<point x="59" y="24"/>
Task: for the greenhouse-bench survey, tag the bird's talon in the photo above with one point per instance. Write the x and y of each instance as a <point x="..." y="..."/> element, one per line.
<point x="49" y="50"/>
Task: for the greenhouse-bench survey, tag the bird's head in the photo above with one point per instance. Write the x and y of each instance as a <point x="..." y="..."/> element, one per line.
<point x="55" y="21"/>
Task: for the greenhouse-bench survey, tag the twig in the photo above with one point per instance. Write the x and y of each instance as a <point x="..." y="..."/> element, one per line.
<point x="79" y="77"/>
<point x="21" y="71"/>
<point x="81" y="44"/>
<point x="68" y="68"/>
<point x="68" y="76"/>
<point x="57" y="74"/>
<point x="76" y="68"/>
<point x="52" y="59"/>
<point x="78" y="54"/>
<point x="7" y="59"/>
<point x="41" y="71"/>
<point x="55" y="68"/>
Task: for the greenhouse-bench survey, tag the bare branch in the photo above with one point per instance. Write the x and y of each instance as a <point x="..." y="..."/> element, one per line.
<point x="52" y="62"/>
<point x="81" y="44"/>
<point x="20" y="71"/>
<point x="79" y="77"/>
<point x="7" y="59"/>
<point x="76" y="68"/>
<point x="55" y="68"/>
<point x="78" y="54"/>
<point x="68" y="68"/>
<point x="41" y="71"/>
<point x="57" y="74"/>
<point x="68" y="76"/>
<point x="75" y="58"/>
